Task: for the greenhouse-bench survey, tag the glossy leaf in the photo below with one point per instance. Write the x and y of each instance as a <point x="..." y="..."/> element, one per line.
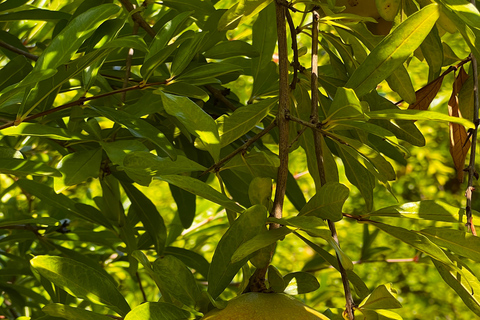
<point x="227" y="49"/>
<point x="381" y="298"/>
<point x="149" y="215"/>
<point x="201" y="189"/>
<point x="258" y="242"/>
<point x="345" y="104"/>
<point x="20" y="167"/>
<point x="457" y="241"/>
<point x="186" y="52"/>
<point x="240" y="11"/>
<point x="222" y="270"/>
<point x="70" y="313"/>
<point x="142" y="166"/>
<point x="190" y="258"/>
<point x="186" y="205"/>
<point x="300" y="283"/>
<point x="81" y="281"/>
<point x="38" y="130"/>
<point x="393" y="50"/>
<point x="177" y="280"/>
<point x="139" y="128"/>
<point x="207" y="71"/>
<point x="35" y="14"/>
<point x="78" y="166"/>
<point x="462" y="285"/>
<point x="157" y="311"/>
<point x="425" y="210"/>
<point x="77" y="31"/>
<point x="243" y="120"/>
<point x="400" y="82"/>
<point x="14" y="71"/>
<point x="327" y="203"/>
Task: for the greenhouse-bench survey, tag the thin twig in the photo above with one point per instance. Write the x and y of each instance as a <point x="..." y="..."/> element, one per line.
<point x="219" y="96"/>
<point x="317" y="136"/>
<point x="18" y="51"/>
<point x="128" y="63"/>
<point x="80" y="102"/>
<point x="471" y="166"/>
<point x="316" y="127"/>
<point x="142" y="290"/>
<point x="137" y="17"/>
<point x="244" y="147"/>
<point x="295" y="63"/>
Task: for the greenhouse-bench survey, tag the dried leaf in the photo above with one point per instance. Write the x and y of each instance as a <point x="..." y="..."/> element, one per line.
<point x="424" y="96"/>
<point x="459" y="143"/>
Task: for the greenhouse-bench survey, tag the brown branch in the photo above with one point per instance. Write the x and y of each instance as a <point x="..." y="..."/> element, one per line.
<point x="137" y="17"/>
<point x="295" y="63"/>
<point x="219" y="96"/>
<point x="317" y="136"/>
<point x="219" y="164"/>
<point x="18" y="51"/>
<point x="80" y="102"/>
<point x="316" y="127"/>
<point x="128" y="63"/>
<point x="471" y="166"/>
<point x="141" y="287"/>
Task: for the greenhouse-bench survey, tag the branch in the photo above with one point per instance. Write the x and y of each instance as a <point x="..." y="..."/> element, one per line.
<point x="138" y="18"/>
<point x="317" y="127"/>
<point x="471" y="165"/>
<point x="219" y="96"/>
<point x="296" y="64"/>
<point x="18" y="51"/>
<point x="317" y="136"/>
<point x="244" y="147"/>
<point x="80" y="102"/>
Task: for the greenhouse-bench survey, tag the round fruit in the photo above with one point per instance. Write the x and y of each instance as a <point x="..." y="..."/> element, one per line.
<point x="265" y="306"/>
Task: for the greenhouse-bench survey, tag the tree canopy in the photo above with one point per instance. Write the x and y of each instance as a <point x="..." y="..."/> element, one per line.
<point x="158" y="159"/>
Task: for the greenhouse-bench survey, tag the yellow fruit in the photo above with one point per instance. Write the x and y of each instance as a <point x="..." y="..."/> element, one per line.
<point x="265" y="306"/>
<point x="364" y="8"/>
<point x="387" y="8"/>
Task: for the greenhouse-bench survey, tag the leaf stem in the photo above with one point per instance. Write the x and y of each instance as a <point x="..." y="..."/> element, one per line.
<point x="317" y="136"/>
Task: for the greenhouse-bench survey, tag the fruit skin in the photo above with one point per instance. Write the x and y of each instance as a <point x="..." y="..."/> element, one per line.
<point x="265" y="306"/>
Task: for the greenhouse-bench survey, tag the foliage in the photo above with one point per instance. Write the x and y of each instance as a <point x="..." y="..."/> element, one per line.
<point x="154" y="157"/>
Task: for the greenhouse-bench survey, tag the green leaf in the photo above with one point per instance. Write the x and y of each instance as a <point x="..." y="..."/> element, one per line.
<point x="186" y="52"/>
<point x="81" y="281"/>
<point x="400" y="82"/>
<point x="118" y="150"/>
<point x="142" y="166"/>
<point x="14" y="71"/>
<point x="47" y="195"/>
<point x="393" y="50"/>
<point x="239" y="12"/>
<point x="139" y="128"/>
<point x="177" y="280"/>
<point x="233" y="48"/>
<point x="358" y="175"/>
<point x="201" y="189"/>
<point x="38" y="221"/>
<point x="416" y="240"/>
<point x="149" y="66"/>
<point x="231" y="127"/>
<point x="11" y="4"/>
<point x="197" y="121"/>
<point x="186" y="205"/>
<point x="20" y="167"/>
<point x="78" y="166"/>
<point x="260" y="191"/>
<point x="39" y="130"/>
<point x="132" y="41"/>
<point x="457" y="241"/>
<point x="300" y="283"/>
<point x="275" y="280"/>
<point x="157" y="311"/>
<point x="222" y="270"/>
<point x="207" y="71"/>
<point x="70" y="313"/>
<point x="345" y="104"/>
<point x="190" y="258"/>
<point x="465" y="11"/>
<point x="149" y="215"/>
<point x="383" y="297"/>
<point x="186" y="90"/>
<point x="462" y="285"/>
<point x="424" y="210"/>
<point x="258" y="242"/>
<point x="327" y="203"/>
<point x="35" y="14"/>
<point x="81" y="27"/>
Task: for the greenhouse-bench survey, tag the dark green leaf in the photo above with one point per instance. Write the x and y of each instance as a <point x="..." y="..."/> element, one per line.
<point x="177" y="280"/>
<point x="70" y="313"/>
<point x="393" y="50"/>
<point x="14" y="71"/>
<point x="300" y="282"/>
<point x="35" y="14"/>
<point x="39" y="130"/>
<point x="78" y="166"/>
<point x="381" y="298"/>
<point x="81" y="281"/>
<point x="149" y="215"/>
<point x="20" y="167"/>
<point x="327" y="203"/>
<point x="457" y="241"/>
<point x="190" y="258"/>
<point x="222" y="270"/>
<point x="228" y="49"/>
<point x="186" y="205"/>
